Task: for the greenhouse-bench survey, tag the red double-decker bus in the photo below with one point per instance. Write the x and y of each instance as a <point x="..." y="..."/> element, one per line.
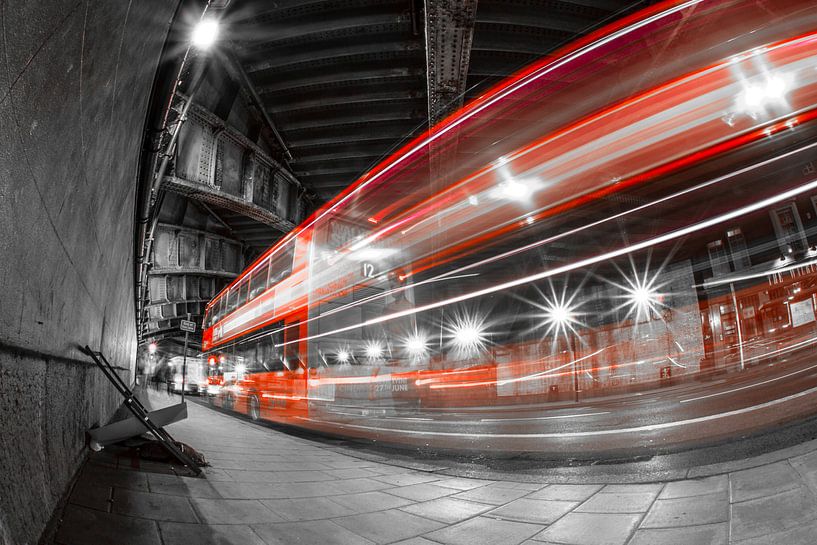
<point x="486" y="261"/>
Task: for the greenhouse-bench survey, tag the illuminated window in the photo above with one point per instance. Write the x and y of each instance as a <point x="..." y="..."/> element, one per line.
<point x="258" y="280"/>
<point x="789" y="229"/>
<point x="281" y="264"/>
<point x="737" y="249"/>
<point x="718" y="259"/>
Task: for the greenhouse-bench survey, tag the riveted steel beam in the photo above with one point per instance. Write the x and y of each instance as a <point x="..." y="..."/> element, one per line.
<point x="449" y="32"/>
<point x="330" y="79"/>
<point x="299" y="105"/>
<point x="312" y="57"/>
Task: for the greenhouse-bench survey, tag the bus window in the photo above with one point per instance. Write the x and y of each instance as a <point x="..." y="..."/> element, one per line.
<point x="281" y="264"/>
<point x="258" y="280"/>
<point x="220" y="308"/>
<point x="243" y="291"/>
<point x="215" y="312"/>
<point x="291" y="355"/>
<point x="232" y="300"/>
<point x="210" y="315"/>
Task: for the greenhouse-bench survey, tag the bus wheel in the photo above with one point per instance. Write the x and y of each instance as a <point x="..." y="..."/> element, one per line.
<point x="254" y="408"/>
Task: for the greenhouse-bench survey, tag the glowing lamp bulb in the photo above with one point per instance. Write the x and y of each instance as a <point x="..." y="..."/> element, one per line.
<point x="416" y="345"/>
<point x="205" y="34"/>
<point x="467" y="335"/>
<point x="374" y="350"/>
<point x="642" y="296"/>
<point x="559" y="314"/>
<point x="152" y="348"/>
<point x="343" y="356"/>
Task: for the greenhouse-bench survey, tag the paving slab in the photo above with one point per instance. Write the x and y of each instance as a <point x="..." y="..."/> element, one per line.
<point x="591" y="529"/>
<point x="81" y="525"/>
<point x="772" y="515"/>
<point x="94" y="497"/>
<point x="806" y="467"/>
<point x="619" y="502"/>
<point x="421" y="492"/>
<point x="408" y="479"/>
<point x="462" y="483"/>
<point x="97" y="475"/>
<point x="689" y="511"/>
<point x="174" y="533"/>
<point x="763" y="481"/>
<point x="485" y="531"/>
<point x="314" y="532"/>
<point x="308" y="509"/>
<point x="696" y="487"/>
<point x="449" y="510"/>
<point x="534" y="511"/>
<point x="367" y="502"/>
<point x="493" y="496"/>
<point x="801" y="535"/>
<point x="220" y="511"/>
<point x="566" y="492"/>
<point x="710" y="534"/>
<point x="175" y="485"/>
<point x="416" y="541"/>
<point x="388" y="526"/>
<point x="153" y="506"/>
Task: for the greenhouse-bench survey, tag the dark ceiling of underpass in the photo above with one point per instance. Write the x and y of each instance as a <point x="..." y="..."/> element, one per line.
<point x="344" y="81"/>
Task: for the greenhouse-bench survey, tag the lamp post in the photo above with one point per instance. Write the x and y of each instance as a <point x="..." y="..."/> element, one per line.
<point x="572" y="342"/>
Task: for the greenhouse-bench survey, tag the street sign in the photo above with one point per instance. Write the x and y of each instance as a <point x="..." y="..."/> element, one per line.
<point x="188" y="326"/>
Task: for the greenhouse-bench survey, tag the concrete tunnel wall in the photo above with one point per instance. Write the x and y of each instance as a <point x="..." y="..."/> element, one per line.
<point x="75" y="79"/>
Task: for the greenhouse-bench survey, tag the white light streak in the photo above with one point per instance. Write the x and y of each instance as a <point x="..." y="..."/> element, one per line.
<point x="672" y="235"/>
<point x="531" y="78"/>
<point x="556" y="435"/>
<point x="750" y="385"/>
<point x="515" y="190"/>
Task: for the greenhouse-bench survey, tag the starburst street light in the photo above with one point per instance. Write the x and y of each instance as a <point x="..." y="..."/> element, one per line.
<point x="205" y="34"/>
<point x="468" y="334"/>
<point x="560" y="313"/>
<point x="642" y="296"/>
<point x="416" y="345"/>
<point x="342" y="356"/>
<point x="374" y="350"/>
<point x="152" y="348"/>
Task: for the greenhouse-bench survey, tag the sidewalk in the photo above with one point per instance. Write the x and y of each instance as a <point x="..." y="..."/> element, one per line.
<point x="269" y="488"/>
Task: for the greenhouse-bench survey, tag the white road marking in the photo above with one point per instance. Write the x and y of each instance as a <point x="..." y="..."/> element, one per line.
<point x="638" y="429"/>
<point x="748" y="386"/>
<point x="540" y="417"/>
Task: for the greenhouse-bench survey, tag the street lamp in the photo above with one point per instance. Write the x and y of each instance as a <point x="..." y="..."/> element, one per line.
<point x="560" y="316"/>
<point x="205" y="34"/>
<point x="468" y="334"/>
<point x="416" y="345"/>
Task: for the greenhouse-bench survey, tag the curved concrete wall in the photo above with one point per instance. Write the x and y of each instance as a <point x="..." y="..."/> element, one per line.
<point x="75" y="77"/>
